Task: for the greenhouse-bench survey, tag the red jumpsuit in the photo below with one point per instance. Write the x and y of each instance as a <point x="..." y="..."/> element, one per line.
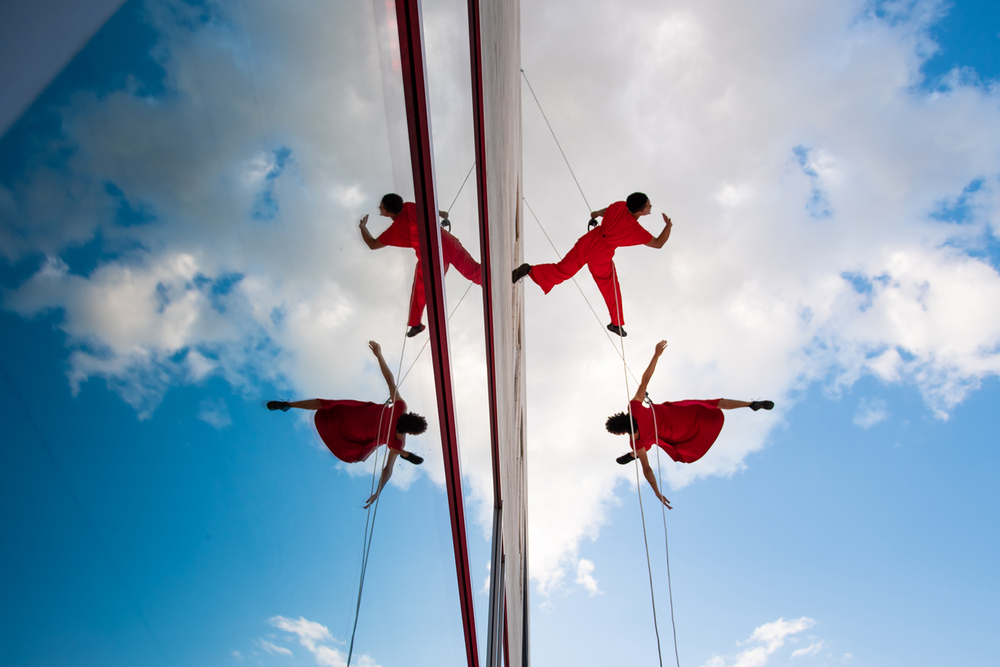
<point x="402" y="233"/>
<point x="596" y="249"/>
<point x="687" y="429"/>
<point x="353" y="429"/>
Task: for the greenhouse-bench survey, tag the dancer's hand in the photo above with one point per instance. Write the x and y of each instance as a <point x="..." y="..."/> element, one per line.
<point x="660" y="347"/>
<point x="376" y="348"/>
<point x="666" y="221"/>
<point x="665" y="502"/>
<point x="364" y="221"/>
<point x="370" y="500"/>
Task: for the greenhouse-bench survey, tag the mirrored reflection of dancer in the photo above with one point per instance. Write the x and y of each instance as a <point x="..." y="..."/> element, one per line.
<point x="402" y="233"/>
<point x="354" y="429"/>
<point x="685" y="430"/>
<point x="619" y="228"/>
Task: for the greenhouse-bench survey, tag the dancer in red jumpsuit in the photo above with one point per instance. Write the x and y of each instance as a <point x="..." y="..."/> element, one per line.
<point x="596" y="249"/>
<point x="402" y="233"/>
<point x="685" y="430"/>
<point x="352" y="430"/>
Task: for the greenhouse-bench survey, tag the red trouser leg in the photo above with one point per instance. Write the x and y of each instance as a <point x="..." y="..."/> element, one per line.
<point x="548" y="276"/>
<point x="457" y="256"/>
<point x="417" y="299"/>
<point x="606" y="278"/>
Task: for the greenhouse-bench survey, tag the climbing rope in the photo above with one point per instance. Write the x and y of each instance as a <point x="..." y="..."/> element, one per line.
<point x="666" y="541"/>
<point x="372" y="511"/>
<point x="626" y="371"/>
<point x="589" y="210"/>
<point x="638" y="483"/>
<point x="448" y="210"/>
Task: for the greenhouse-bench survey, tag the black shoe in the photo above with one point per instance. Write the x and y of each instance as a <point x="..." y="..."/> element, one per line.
<point x="591" y="224"/>
<point x="520" y="272"/>
<point x="757" y="405"/>
<point x="279" y="405"/>
<point x="414" y="330"/>
<point x="413" y="458"/>
<point x="615" y="329"/>
<point x="625" y="459"/>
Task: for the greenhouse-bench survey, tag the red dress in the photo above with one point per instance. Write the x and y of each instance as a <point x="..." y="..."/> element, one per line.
<point x="596" y="249"/>
<point x="687" y="429"/>
<point x="353" y="429"/>
<point x="402" y="233"/>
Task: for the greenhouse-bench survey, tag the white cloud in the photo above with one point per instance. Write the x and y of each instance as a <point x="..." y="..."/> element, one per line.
<point x="215" y="412"/>
<point x="870" y="411"/>
<point x="802" y="174"/>
<point x="314" y="637"/>
<point x="768" y="639"/>
<point x="272" y="648"/>
<point x="810" y="650"/>
<point x="237" y="656"/>
<point x="585" y="576"/>
<point x="310" y="633"/>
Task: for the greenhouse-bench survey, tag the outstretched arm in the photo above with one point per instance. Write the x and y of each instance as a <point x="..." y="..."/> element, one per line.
<point x="386" y="373"/>
<point x="599" y="214"/>
<point x="660" y="241"/>
<point x="390" y="461"/>
<point x="370" y="240"/>
<point x="647" y="472"/>
<point x="640" y="393"/>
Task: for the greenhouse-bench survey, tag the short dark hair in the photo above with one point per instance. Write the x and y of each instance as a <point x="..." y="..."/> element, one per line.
<point x="412" y="423"/>
<point x="392" y="203"/>
<point x="618" y="424"/>
<point x="635" y="202"/>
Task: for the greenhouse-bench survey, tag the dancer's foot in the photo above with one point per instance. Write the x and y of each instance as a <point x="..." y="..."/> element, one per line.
<point x="615" y="329"/>
<point x="625" y="459"/>
<point x="279" y="405"/>
<point x="414" y="330"/>
<point x="412" y="458"/>
<point x="761" y="405"/>
<point x="520" y="272"/>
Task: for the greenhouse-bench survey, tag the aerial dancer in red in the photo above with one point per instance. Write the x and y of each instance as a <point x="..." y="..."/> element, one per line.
<point x="352" y="430"/>
<point x="619" y="228"/>
<point x="402" y="233"/>
<point x="685" y="430"/>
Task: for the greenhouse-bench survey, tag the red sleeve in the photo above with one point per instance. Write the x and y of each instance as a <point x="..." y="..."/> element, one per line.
<point x="621" y="228"/>
<point x="402" y="233"/>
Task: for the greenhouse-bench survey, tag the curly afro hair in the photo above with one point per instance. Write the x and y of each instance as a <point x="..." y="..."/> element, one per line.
<point x="618" y="424"/>
<point x="412" y="423"/>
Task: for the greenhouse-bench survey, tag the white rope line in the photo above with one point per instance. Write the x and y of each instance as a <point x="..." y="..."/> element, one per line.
<point x="415" y="359"/>
<point x="666" y="541"/>
<point x="573" y="278"/>
<point x="589" y="210"/>
<point x="626" y="371"/>
<point x="448" y="210"/>
<point x="638" y="483"/>
<point x="372" y="510"/>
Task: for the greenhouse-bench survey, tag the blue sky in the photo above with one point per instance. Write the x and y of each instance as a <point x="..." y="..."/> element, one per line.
<point x="177" y="245"/>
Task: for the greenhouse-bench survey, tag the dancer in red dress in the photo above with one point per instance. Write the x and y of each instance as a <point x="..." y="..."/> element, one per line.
<point x="596" y="249"/>
<point x="685" y="430"/>
<point x="402" y="233"/>
<point x="352" y="430"/>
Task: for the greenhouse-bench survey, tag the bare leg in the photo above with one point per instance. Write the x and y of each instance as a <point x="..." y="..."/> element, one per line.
<point x="724" y="404"/>
<point x="313" y="404"/>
